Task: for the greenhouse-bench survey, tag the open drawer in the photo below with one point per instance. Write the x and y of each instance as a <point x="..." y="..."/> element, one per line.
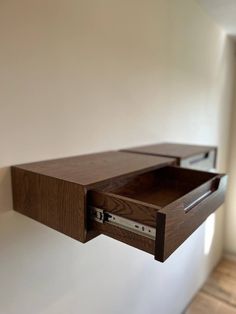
<point x="156" y="211"/>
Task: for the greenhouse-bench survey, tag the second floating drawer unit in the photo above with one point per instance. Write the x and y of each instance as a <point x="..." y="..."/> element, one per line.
<point x="187" y="156"/>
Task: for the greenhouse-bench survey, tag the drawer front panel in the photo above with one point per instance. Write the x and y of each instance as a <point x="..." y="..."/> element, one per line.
<point x="176" y="223"/>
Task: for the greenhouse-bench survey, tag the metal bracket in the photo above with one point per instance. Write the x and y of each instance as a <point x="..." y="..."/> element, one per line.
<point x="102" y="216"/>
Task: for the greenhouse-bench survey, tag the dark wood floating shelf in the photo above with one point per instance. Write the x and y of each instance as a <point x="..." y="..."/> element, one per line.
<point x="150" y="197"/>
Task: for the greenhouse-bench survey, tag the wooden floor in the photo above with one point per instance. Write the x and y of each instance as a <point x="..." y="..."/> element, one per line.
<point x="218" y="295"/>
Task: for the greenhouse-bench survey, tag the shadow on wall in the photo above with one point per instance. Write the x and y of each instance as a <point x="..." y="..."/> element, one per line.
<point x="5" y="189"/>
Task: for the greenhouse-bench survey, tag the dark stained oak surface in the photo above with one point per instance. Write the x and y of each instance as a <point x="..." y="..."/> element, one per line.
<point x="90" y="169"/>
<point x="56" y="203"/>
<point x="171" y="150"/>
<point x="147" y="189"/>
<point x="54" y="192"/>
<point x="125" y="236"/>
<point x="173" y="200"/>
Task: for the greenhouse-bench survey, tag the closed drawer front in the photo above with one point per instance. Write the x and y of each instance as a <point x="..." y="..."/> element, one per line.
<point x="204" y="161"/>
<point x="156" y="211"/>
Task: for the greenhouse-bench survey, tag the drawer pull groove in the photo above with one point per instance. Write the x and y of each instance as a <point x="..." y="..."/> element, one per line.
<point x="197" y="201"/>
<point x="200" y="158"/>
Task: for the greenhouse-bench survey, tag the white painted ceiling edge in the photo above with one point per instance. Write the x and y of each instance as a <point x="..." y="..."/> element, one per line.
<point x="223" y="12"/>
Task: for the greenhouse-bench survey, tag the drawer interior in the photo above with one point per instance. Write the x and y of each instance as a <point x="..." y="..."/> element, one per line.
<point x="139" y="198"/>
<point x="163" y="186"/>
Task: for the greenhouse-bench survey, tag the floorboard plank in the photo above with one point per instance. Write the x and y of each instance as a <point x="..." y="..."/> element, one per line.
<point x="222" y="282"/>
<point x="218" y="295"/>
<point x="205" y="304"/>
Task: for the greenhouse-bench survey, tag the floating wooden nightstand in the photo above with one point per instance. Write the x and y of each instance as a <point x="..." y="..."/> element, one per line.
<point x="145" y="201"/>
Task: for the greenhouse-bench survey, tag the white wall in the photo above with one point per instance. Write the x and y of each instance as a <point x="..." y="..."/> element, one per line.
<point x="85" y="76"/>
<point x="230" y="221"/>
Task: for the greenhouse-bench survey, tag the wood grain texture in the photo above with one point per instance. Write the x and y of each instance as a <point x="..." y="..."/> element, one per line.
<point x="125" y="236"/>
<point x="143" y="188"/>
<point x="222" y="282"/>
<point x="218" y="295"/>
<point x="125" y="207"/>
<point x="54" y="192"/>
<point x="172" y="150"/>
<point x="175" y="224"/>
<point x="175" y="201"/>
<point x="142" y="196"/>
<point x="89" y="170"/>
<point x="56" y="203"/>
<point x="205" y="304"/>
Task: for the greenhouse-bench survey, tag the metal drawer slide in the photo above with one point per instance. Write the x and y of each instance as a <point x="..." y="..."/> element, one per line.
<point x="102" y="216"/>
